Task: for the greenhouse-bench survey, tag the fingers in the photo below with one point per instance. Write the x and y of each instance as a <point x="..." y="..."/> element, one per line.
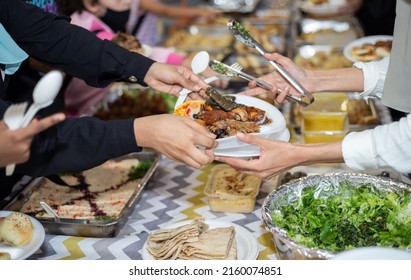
<point x="190" y="80"/>
<point x="206" y="138"/>
<point x="277" y="58"/>
<point x="253" y="91"/>
<point x="201" y="157"/>
<point x="281" y="95"/>
<point x="37" y="126"/>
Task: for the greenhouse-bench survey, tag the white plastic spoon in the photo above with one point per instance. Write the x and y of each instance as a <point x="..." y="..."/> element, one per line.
<point x="44" y="94"/>
<point x="198" y="65"/>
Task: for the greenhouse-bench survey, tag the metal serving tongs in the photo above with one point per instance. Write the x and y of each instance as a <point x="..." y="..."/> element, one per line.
<point x="227" y="70"/>
<point x="241" y="34"/>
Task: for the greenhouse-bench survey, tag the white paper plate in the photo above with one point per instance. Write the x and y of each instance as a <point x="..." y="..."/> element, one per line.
<point x="248" y="150"/>
<point x="278" y="121"/>
<point x="330" y="8"/>
<point x="23" y="252"/>
<point x="247" y="246"/>
<point x="362" y="41"/>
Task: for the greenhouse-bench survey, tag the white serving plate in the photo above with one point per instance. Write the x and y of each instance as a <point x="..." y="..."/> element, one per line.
<point x="278" y="122"/>
<point x="247" y="246"/>
<point x="362" y="41"/>
<point x="247" y="150"/>
<point x="23" y="252"/>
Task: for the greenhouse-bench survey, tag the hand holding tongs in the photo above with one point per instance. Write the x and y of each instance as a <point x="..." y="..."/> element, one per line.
<point x="224" y="69"/>
<point x="241" y="34"/>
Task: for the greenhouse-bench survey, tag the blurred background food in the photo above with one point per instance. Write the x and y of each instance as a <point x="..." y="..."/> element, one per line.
<point x="133" y="103"/>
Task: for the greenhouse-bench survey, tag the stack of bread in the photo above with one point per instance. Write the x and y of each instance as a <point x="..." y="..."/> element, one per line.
<point x="16" y="230"/>
<point x="193" y="241"/>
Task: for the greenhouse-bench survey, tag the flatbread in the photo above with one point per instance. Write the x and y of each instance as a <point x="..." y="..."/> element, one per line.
<point x="214" y="244"/>
<point x="194" y="241"/>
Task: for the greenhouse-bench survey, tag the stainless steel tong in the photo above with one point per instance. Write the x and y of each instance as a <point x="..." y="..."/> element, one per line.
<point x="241" y="34"/>
<point x="229" y="71"/>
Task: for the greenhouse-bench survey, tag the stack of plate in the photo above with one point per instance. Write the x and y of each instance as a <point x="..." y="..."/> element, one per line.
<point x="276" y="130"/>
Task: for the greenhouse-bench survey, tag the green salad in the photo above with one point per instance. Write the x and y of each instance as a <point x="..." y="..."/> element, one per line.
<point x="350" y="217"/>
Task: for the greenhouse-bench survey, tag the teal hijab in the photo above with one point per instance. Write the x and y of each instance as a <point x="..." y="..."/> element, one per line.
<point x="11" y="55"/>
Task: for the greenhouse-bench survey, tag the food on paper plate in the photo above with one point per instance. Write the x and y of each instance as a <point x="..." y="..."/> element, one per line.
<point x="223" y="116"/>
<point x="228" y="190"/>
<point x="16" y="229"/>
<point x="193" y="241"/>
<point x="108" y="189"/>
<point x="370" y="51"/>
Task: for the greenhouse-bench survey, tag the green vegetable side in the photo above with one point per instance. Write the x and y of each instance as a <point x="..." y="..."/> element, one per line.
<point x="138" y="171"/>
<point x="350" y="217"/>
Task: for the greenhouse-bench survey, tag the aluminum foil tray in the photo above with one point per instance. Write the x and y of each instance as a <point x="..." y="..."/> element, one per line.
<point x="91" y="228"/>
<point x="290" y="250"/>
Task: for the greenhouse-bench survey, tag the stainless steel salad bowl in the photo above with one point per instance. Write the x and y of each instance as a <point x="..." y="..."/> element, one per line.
<point x="325" y="186"/>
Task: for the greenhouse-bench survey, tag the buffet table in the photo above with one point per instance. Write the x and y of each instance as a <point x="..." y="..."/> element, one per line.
<point x="173" y="194"/>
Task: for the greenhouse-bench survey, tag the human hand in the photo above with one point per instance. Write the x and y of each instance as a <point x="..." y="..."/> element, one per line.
<point x="220" y="83"/>
<point x="281" y="87"/>
<point x="178" y="138"/>
<point x="273" y="157"/>
<point x="278" y="156"/>
<point x="15" y="144"/>
<point x="173" y="78"/>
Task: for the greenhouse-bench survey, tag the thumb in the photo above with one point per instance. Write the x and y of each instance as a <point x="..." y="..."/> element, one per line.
<point x="250" y="139"/>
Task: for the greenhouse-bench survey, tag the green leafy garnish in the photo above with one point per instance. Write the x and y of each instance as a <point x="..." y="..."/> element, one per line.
<point x="138" y="171"/>
<point x="219" y="68"/>
<point x="242" y="30"/>
<point x="350" y="217"/>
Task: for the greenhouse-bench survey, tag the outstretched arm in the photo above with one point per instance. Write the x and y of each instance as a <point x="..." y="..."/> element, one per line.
<point x="312" y="80"/>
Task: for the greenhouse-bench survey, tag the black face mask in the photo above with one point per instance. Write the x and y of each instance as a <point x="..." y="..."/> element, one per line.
<point x="116" y="20"/>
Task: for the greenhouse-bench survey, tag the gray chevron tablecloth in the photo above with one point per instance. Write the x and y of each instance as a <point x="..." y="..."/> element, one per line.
<point x="173" y="194"/>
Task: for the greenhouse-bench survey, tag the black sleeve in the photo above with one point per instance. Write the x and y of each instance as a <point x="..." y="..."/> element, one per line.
<point x="75" y="50"/>
<point x="78" y="144"/>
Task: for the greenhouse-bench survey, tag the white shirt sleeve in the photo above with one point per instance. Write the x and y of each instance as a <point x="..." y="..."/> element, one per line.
<point x="374" y="77"/>
<point x="385" y="147"/>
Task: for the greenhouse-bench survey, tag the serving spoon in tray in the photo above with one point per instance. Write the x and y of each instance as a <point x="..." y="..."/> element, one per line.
<point x="50" y="211"/>
<point x="242" y="35"/>
<point x="225" y="69"/>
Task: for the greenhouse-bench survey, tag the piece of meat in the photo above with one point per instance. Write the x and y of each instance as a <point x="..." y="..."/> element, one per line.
<point x="247" y="113"/>
<point x="210" y="117"/>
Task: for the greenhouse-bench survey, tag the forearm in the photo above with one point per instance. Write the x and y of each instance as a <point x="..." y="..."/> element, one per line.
<point x="346" y="79"/>
<point x="78" y="52"/>
<point x="302" y="154"/>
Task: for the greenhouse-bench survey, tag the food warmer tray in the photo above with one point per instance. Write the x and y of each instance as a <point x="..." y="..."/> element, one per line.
<point x="91" y="228"/>
<point x="339" y="31"/>
<point x="294" y="118"/>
